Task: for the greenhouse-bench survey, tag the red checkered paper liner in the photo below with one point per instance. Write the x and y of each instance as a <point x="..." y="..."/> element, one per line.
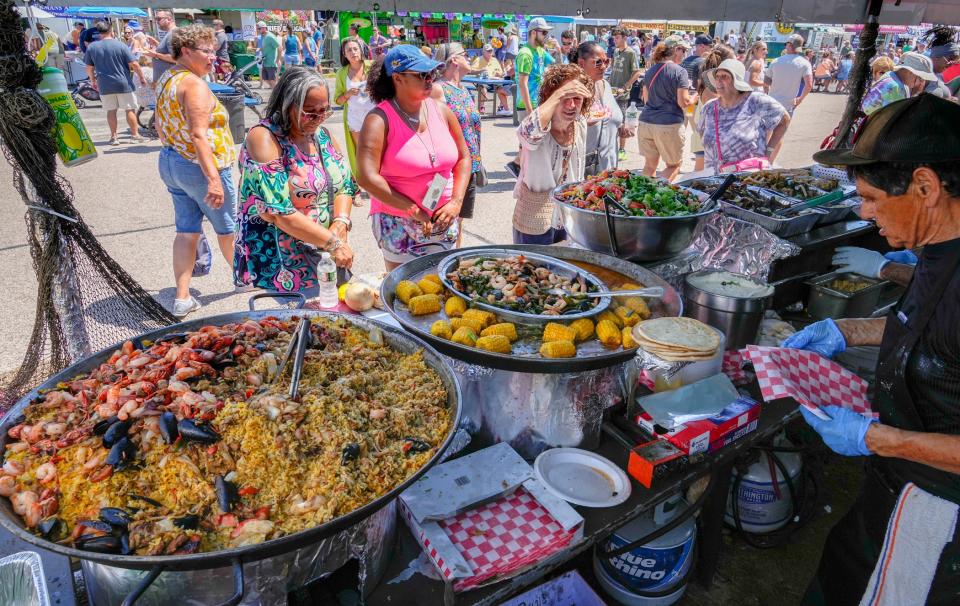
<point x="733" y="367"/>
<point x="503" y="536"/>
<point x="807" y="377"/>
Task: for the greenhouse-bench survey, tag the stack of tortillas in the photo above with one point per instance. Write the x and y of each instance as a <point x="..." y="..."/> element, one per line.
<point x="677" y="339"/>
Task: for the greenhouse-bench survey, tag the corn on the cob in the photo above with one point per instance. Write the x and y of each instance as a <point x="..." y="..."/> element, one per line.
<point x="609" y="316"/>
<point x="558" y="349"/>
<point x="504" y="328"/>
<point x="584" y="328"/>
<point x="629" y="316"/>
<point x="637" y="304"/>
<point x="441" y="328"/>
<point x="407" y="290"/>
<point x="494" y="343"/>
<point x="473" y="325"/>
<point x="429" y="287"/>
<point x="484" y="317"/>
<point x="424" y="304"/>
<point x="627" y="334"/>
<point x="554" y="331"/>
<point x="465" y="336"/>
<point x="608" y="333"/>
<point x="455" y="306"/>
<point x="433" y="278"/>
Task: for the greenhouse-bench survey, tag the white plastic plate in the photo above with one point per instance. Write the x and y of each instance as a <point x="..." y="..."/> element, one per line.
<point x="582" y="477"/>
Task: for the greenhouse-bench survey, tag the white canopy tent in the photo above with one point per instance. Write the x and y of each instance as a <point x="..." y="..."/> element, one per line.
<point x="786" y="11"/>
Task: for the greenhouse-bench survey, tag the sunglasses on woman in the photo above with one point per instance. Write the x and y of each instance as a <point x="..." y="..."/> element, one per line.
<point x="601" y="62"/>
<point x="424" y="76"/>
<point x="313" y="116"/>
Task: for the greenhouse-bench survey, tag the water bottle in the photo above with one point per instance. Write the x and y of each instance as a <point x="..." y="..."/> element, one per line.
<point x="327" y="277"/>
<point x="74" y="144"/>
<point x="632" y="117"/>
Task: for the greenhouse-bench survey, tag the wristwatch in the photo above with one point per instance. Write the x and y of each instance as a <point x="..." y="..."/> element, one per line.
<point x="333" y="244"/>
<point x="345" y="220"/>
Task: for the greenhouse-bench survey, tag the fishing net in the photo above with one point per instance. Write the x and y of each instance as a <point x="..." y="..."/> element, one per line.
<point x="85" y="299"/>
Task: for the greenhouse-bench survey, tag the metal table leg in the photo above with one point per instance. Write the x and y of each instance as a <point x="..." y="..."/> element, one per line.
<point x="711" y="524"/>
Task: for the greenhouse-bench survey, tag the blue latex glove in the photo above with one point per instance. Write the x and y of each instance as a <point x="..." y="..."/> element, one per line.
<point x="844" y="432"/>
<point x="823" y="337"/>
<point x="861" y="261"/>
<point x="902" y="256"/>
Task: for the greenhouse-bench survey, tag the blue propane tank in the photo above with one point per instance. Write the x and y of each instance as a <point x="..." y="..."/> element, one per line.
<point x="764" y="505"/>
<point x="655" y="567"/>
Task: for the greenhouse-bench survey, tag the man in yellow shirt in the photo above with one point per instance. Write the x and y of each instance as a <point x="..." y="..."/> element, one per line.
<point x="487" y="66"/>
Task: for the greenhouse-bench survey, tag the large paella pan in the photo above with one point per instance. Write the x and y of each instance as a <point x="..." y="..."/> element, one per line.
<point x="176" y="450"/>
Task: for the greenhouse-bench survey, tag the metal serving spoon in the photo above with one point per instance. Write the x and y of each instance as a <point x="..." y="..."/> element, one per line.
<point x="652" y="291"/>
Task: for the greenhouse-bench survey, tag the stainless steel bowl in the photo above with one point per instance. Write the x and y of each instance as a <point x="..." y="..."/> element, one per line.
<point x="561" y="268"/>
<point x="638" y="238"/>
<point x="738" y="317"/>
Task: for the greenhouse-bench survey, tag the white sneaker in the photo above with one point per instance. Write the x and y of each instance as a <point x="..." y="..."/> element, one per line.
<point x="137" y="139"/>
<point x="503" y="111"/>
<point x="182" y="307"/>
<point x="114" y="141"/>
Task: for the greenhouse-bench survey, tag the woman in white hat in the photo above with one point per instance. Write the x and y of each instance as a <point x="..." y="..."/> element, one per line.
<point x="741" y="128"/>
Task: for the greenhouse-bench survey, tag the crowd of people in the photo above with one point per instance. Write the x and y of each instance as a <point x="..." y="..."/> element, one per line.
<point x="412" y="127"/>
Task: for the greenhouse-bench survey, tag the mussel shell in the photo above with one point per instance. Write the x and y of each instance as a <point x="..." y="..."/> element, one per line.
<point x="115" y="516"/>
<point x="417" y="445"/>
<point x="227" y="495"/>
<point x="168" y="427"/>
<point x="193" y="432"/>
<point x="104" y="544"/>
<point x="103" y="425"/>
<point x="350" y="452"/>
<point x="52" y="529"/>
<point x="121" y="454"/>
<point x="177" y="337"/>
<point x="146" y="500"/>
<point x="115" y="432"/>
<point x="125" y="544"/>
<point x="190" y="546"/>
<point x="98" y="525"/>
<point x="187" y="522"/>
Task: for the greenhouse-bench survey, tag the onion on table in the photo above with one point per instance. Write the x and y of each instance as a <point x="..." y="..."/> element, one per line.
<point x="185" y="445"/>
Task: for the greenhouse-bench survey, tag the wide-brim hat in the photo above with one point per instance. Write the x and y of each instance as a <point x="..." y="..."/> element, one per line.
<point x="736" y="69"/>
<point x="915" y="130"/>
<point x="919" y="65"/>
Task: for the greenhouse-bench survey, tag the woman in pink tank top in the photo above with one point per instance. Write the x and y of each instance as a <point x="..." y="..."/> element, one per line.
<point x="412" y="159"/>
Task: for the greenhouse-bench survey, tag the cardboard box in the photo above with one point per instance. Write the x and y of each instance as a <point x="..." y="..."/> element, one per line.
<point x="654" y="459"/>
<point x="485" y="517"/>
<point x="567" y="590"/>
<point x="737" y="419"/>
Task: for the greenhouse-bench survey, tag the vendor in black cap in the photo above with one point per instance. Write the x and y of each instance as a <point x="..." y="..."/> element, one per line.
<point x="899" y="542"/>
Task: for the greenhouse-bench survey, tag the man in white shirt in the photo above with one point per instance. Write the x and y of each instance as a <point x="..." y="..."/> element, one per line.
<point x="790" y="76"/>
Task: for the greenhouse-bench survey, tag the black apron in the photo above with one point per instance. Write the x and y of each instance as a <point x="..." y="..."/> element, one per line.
<point x="854" y="544"/>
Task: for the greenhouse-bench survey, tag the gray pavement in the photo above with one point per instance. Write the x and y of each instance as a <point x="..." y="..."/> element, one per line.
<point x="121" y="197"/>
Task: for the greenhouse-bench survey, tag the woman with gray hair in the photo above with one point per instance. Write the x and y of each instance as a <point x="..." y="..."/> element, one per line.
<point x="296" y="191"/>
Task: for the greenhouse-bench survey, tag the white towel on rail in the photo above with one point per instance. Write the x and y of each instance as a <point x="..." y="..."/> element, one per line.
<point x="919" y="527"/>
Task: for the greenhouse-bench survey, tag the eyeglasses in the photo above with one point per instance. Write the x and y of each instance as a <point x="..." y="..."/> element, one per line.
<point x="601" y="62"/>
<point x="314" y="116"/>
<point x="206" y="51"/>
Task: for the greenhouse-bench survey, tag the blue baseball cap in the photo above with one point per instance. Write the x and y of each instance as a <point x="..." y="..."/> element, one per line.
<point x="134" y="25"/>
<point x="408" y="58"/>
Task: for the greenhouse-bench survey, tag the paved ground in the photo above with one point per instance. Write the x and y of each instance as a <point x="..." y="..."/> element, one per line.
<point x="121" y="196"/>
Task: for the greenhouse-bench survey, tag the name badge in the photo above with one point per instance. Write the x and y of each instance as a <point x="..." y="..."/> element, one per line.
<point x="902" y="317"/>
<point x="432" y="197"/>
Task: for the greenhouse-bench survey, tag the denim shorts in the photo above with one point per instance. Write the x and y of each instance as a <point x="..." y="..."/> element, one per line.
<point x="188" y="186"/>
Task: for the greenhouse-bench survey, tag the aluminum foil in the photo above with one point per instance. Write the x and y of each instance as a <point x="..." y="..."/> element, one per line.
<point x="22" y="580"/>
<point x="727" y="244"/>
<point x="534" y="412"/>
<point x="266" y="582"/>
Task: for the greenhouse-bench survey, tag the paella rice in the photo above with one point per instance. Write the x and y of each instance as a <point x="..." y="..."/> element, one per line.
<point x="186" y="446"/>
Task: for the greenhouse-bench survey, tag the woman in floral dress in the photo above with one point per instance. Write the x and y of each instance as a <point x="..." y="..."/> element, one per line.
<point x="296" y="191"/>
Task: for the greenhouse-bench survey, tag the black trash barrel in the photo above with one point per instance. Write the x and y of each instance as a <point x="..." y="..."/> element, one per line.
<point x="233" y="102"/>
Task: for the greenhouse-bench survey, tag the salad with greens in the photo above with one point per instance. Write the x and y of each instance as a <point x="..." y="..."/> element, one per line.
<point x="642" y="196"/>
